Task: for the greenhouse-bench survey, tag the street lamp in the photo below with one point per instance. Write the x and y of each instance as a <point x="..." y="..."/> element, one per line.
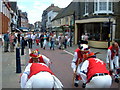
<point x="109" y="31"/>
<point x="71" y="33"/>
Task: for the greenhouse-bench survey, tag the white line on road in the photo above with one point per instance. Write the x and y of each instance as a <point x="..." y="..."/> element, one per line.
<point x="68" y="52"/>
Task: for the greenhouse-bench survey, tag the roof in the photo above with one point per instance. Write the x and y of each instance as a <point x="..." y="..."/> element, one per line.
<point x="54" y="8"/>
<point x="69" y="10"/>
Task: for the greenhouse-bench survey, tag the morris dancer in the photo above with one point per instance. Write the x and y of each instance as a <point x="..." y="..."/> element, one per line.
<point x="39" y="75"/>
<point x="76" y="62"/>
<point x="94" y="73"/>
<point x="41" y="58"/>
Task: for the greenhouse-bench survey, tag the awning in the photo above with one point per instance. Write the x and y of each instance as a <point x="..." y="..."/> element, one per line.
<point x="24" y="29"/>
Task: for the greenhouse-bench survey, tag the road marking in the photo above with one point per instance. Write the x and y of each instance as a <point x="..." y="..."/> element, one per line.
<point x="68" y="52"/>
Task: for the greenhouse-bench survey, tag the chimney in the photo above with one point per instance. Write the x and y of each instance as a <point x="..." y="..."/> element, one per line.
<point x="52" y="5"/>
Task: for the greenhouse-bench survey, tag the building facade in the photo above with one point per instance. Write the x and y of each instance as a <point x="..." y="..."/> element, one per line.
<point x="65" y="20"/>
<point x="23" y="21"/>
<point x="5" y="16"/>
<point x="37" y="26"/>
<point x="45" y="16"/>
<point x="100" y="20"/>
<point x="51" y="15"/>
<point x="14" y="16"/>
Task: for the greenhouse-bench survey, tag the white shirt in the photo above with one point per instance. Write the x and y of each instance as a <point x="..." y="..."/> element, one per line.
<point x="83" y="71"/>
<point x="46" y="60"/>
<point x="73" y="65"/>
<point x="24" y="77"/>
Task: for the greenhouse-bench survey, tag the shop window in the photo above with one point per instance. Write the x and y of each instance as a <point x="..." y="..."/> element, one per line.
<point x="96" y="31"/>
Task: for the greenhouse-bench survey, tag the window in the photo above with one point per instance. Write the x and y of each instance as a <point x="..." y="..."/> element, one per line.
<point x="66" y="20"/>
<point x="110" y="6"/>
<point x="0" y="6"/>
<point x="96" y="4"/>
<point x="102" y="7"/>
<point x="86" y="7"/>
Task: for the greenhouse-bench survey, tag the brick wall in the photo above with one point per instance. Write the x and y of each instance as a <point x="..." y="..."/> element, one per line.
<point x="0" y="22"/>
<point x="4" y="20"/>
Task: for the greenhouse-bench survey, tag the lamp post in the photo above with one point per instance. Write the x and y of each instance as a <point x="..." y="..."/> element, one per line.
<point x="71" y="33"/>
<point x="109" y="31"/>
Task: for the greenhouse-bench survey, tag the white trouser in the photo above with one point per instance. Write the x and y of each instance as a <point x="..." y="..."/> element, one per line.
<point x="100" y="82"/>
<point x="115" y="62"/>
<point x="40" y="80"/>
<point x="44" y="43"/>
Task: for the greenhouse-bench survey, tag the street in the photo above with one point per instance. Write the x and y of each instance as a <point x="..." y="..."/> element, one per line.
<point x="61" y="67"/>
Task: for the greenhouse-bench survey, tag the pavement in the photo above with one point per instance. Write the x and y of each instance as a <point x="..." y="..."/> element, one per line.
<point x="10" y="74"/>
<point x="10" y="79"/>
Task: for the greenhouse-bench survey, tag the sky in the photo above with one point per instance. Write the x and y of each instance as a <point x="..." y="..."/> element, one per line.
<point x="35" y="8"/>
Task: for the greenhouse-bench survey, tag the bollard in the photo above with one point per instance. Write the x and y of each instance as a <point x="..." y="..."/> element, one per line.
<point x="18" y="63"/>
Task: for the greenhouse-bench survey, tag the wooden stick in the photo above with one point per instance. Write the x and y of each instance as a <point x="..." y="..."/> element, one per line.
<point x="74" y="75"/>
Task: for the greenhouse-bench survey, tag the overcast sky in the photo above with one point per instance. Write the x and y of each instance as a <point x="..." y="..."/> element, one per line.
<point x="35" y="8"/>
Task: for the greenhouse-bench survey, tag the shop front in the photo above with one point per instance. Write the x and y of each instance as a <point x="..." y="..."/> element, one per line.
<point x="100" y="31"/>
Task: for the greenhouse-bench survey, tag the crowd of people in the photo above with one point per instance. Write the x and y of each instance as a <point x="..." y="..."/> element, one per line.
<point x="42" y="39"/>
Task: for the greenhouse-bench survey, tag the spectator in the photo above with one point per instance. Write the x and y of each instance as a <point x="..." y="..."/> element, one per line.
<point x="22" y="45"/>
<point x="52" y="41"/>
<point x="1" y="41"/>
<point x="41" y="40"/>
<point x="6" y="41"/>
<point x="12" y="43"/>
<point x="45" y="40"/>
<point x="30" y="40"/>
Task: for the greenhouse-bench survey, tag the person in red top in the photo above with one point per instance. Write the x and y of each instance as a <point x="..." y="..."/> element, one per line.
<point x="77" y="59"/>
<point x="39" y="75"/>
<point x="41" y="58"/>
<point x="113" y="59"/>
<point x="94" y="73"/>
<point x="37" y="41"/>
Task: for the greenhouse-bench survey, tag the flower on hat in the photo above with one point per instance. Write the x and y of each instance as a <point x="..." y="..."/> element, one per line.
<point x="35" y="54"/>
<point x="89" y="54"/>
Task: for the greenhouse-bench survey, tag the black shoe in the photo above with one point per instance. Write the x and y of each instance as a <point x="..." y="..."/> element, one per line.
<point x="83" y="85"/>
<point x="59" y="48"/>
<point x="76" y="84"/>
<point x="116" y="80"/>
<point x="6" y="51"/>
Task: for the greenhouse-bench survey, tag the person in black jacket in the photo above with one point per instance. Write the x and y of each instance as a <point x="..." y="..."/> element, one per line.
<point x="41" y="40"/>
<point x="22" y="45"/>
